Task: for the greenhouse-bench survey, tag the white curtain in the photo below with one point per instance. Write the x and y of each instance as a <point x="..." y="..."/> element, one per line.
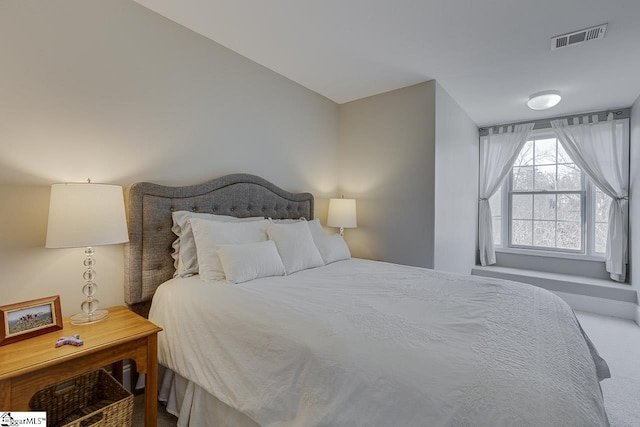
<point x="497" y="154"/>
<point x="597" y="150"/>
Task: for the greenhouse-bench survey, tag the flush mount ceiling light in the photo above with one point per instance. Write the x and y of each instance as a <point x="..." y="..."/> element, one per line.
<point x="544" y="100"/>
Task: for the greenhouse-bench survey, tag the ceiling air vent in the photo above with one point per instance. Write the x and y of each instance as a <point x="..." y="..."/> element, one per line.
<point x="578" y="37"/>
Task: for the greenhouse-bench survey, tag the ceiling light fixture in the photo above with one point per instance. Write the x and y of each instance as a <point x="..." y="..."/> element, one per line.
<point x="544" y="100"/>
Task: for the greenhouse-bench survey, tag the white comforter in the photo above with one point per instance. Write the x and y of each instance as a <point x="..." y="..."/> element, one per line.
<point x="363" y="343"/>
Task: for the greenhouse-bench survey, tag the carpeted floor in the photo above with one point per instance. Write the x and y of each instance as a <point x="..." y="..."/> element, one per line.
<point x="617" y="340"/>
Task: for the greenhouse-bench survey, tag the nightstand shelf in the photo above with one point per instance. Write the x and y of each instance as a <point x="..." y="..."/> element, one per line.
<point x="33" y="364"/>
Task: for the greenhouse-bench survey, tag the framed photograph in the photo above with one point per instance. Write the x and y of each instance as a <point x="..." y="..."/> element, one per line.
<point x="30" y="318"/>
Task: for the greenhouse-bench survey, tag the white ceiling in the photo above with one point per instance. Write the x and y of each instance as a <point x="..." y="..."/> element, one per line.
<point x="489" y="55"/>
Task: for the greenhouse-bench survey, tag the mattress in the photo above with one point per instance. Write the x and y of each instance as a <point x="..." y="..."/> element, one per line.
<point x="365" y="343"/>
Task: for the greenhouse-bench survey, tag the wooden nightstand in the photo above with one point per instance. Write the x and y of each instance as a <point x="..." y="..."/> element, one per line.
<point x="33" y="364"/>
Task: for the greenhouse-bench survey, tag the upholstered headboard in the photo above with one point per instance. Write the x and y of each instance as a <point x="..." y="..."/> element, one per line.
<point x="148" y="261"/>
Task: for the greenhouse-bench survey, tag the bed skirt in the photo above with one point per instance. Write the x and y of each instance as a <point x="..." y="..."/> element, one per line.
<point x="194" y="406"/>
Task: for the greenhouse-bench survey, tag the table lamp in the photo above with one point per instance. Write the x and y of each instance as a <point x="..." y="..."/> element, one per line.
<point x="342" y="213"/>
<point x="86" y="215"/>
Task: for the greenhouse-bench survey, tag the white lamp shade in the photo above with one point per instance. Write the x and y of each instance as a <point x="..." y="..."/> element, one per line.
<point x="82" y="215"/>
<point x="544" y="100"/>
<point x="342" y="213"/>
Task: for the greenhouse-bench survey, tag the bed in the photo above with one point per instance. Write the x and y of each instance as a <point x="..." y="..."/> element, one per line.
<point x="353" y="342"/>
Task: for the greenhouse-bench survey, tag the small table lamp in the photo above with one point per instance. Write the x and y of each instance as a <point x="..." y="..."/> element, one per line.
<point x="86" y="215"/>
<point x="342" y="213"/>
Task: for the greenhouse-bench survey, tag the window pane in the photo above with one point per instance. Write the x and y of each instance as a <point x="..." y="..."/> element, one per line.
<point x="525" y="158"/>
<point x="545" y="151"/>
<point x="544" y="206"/>
<point x="523" y="178"/>
<point x="544" y="234"/>
<point x="601" y="237"/>
<point x="545" y="178"/>
<point x="569" y="177"/>
<point x="522" y="206"/>
<point x="569" y="235"/>
<point x="569" y="207"/>
<point x="521" y="234"/>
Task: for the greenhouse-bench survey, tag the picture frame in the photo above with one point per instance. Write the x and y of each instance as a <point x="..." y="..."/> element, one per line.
<point x="28" y="319"/>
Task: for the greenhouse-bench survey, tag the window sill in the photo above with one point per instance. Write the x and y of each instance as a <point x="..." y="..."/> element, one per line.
<point x="601" y="296"/>
<point x="567" y="283"/>
<point x="550" y="254"/>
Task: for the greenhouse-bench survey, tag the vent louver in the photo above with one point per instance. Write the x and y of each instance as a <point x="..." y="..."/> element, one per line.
<point x="577" y="37"/>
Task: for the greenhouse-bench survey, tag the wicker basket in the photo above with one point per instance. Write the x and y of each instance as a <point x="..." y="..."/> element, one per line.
<point x="94" y="399"/>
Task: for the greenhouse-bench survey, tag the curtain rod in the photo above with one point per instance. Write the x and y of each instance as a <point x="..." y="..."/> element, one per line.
<point x="618" y="113"/>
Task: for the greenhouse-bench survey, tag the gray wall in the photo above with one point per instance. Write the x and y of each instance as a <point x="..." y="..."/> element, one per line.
<point x="577" y="267"/>
<point x="115" y="92"/>
<point x="634" y="197"/>
<point x="410" y="158"/>
<point x="386" y="158"/>
<point x="456" y="189"/>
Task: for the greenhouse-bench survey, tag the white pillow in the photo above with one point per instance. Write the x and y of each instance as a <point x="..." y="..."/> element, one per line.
<point x="332" y="247"/>
<point x="286" y="221"/>
<point x="184" y="247"/>
<point x="295" y="246"/>
<point x="211" y="234"/>
<point x="249" y="261"/>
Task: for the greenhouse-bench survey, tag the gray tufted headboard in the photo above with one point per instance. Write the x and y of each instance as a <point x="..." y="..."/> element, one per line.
<point x="148" y="261"/>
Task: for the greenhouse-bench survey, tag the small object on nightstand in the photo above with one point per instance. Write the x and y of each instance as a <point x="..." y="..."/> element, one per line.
<point x="72" y="340"/>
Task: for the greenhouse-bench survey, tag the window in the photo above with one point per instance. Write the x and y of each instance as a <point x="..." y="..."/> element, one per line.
<point x="548" y="204"/>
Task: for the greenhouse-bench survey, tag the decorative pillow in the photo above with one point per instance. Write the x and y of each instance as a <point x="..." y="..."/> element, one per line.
<point x="332" y="247"/>
<point x="286" y="220"/>
<point x="184" y="247"/>
<point x="295" y="246"/>
<point x="211" y="234"/>
<point x="249" y="261"/>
